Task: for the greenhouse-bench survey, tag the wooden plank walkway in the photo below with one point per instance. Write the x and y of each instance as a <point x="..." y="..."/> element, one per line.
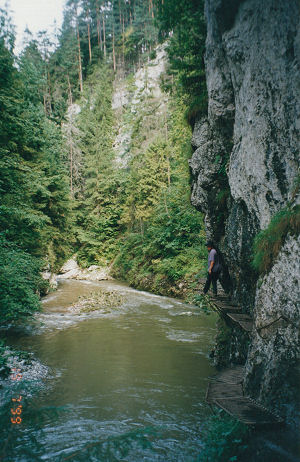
<point x="233" y="312"/>
<point x="225" y="390"/>
<point x="226" y="307"/>
<point x="233" y="374"/>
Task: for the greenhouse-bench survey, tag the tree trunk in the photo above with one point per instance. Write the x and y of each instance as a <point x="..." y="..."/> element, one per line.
<point x="169" y="171"/>
<point x="167" y="150"/>
<point x="166" y="205"/>
<point x="130" y="12"/>
<point x="152" y="9"/>
<point x="123" y="43"/>
<point x="49" y="90"/>
<point x="120" y="16"/>
<point x="99" y="32"/>
<point x="71" y="168"/>
<point x="45" y="107"/>
<point x="70" y="96"/>
<point x="79" y="57"/>
<point x="89" y="37"/>
<point x="104" y="36"/>
<point x="114" y="54"/>
<point x="130" y="15"/>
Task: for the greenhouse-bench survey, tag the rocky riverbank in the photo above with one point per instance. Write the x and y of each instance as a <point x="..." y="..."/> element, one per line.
<point x="71" y="270"/>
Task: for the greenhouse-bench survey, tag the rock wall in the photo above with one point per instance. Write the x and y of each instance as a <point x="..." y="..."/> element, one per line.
<point x="245" y="164"/>
<point x="71" y="270"/>
<point x="140" y="98"/>
<point x="273" y="359"/>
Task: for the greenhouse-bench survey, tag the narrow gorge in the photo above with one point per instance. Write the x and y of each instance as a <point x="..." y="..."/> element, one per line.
<point x="138" y="137"/>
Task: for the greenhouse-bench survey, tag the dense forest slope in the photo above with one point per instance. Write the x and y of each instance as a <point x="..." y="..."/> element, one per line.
<point x="130" y="150"/>
<point x="245" y="169"/>
<point x="82" y="173"/>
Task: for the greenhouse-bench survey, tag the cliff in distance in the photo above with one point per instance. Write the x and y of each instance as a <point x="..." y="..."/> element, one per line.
<point x="245" y="168"/>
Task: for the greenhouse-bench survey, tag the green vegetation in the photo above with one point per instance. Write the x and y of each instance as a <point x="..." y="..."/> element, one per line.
<point x="119" y="32"/>
<point x="185" y="18"/>
<point x="170" y="250"/>
<point x="224" y="439"/>
<point x="221" y="352"/>
<point x="35" y="208"/>
<point x="224" y="351"/>
<point x="4" y="369"/>
<point x="6" y="355"/>
<point x="61" y="188"/>
<point x="204" y="302"/>
<point x="19" y="280"/>
<point x="98" y="202"/>
<point x="139" y="218"/>
<point x="165" y="240"/>
<point x="269" y="241"/>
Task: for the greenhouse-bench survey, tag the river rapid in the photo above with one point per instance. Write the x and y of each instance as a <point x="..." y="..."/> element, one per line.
<point x="123" y="384"/>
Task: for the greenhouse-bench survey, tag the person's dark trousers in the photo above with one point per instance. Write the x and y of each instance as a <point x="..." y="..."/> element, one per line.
<point x="211" y="279"/>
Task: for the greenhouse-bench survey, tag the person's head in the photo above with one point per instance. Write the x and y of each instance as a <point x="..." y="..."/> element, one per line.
<point x="209" y="245"/>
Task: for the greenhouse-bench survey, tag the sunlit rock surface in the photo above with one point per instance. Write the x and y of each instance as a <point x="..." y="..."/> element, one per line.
<point x="139" y="99"/>
<point x="71" y="270"/>
<point x="51" y="278"/>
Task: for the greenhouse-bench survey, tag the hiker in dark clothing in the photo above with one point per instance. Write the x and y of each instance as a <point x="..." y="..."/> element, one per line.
<point x="214" y="268"/>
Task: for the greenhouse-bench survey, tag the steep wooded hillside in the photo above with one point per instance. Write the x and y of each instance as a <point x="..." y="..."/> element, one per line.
<point x="130" y="148"/>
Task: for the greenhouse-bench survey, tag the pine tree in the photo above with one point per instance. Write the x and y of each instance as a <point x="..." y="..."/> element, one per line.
<point x="100" y="204"/>
<point x="185" y="19"/>
<point x="35" y="207"/>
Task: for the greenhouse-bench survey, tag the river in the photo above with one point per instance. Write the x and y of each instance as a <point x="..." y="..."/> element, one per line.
<point x="125" y="384"/>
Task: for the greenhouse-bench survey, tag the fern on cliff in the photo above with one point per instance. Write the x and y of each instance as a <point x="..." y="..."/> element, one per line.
<point x="269" y="242"/>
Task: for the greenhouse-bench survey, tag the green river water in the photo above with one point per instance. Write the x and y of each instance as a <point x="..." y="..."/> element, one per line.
<point x="125" y="384"/>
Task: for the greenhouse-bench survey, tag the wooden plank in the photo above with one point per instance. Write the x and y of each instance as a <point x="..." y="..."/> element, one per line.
<point x="244" y="320"/>
<point x="246" y="325"/>
<point x="221" y="298"/>
<point x="233" y="312"/>
<point x="221" y="390"/>
<point x="223" y="301"/>
<point x="226" y="391"/>
<point x="233" y="374"/>
<point x="248" y="411"/>
<point x="227" y="308"/>
<point x="237" y="317"/>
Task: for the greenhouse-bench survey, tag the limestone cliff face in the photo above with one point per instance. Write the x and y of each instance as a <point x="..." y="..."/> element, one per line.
<point x="272" y="368"/>
<point x="135" y="100"/>
<point x="245" y="164"/>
